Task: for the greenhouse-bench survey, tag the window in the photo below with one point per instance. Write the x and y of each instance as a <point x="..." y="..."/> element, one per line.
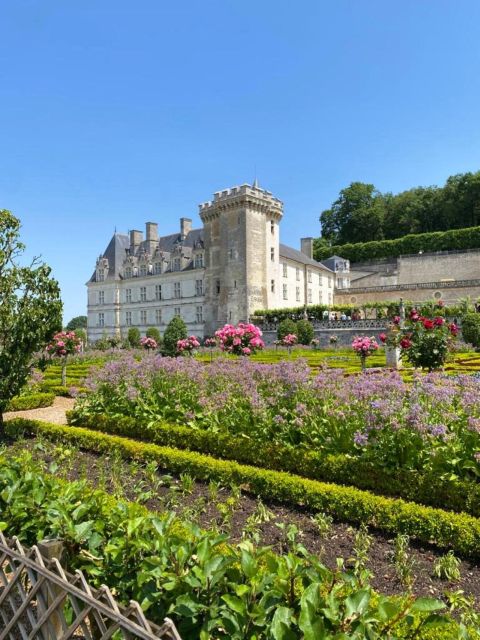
<point x="199" y="260"/>
<point x="285" y="270"/>
<point x="272" y="286"/>
<point x="177" y="290"/>
<point x="128" y="318"/>
<point x="309" y="275"/>
<point x="158" y="316"/>
<point x="297" y="294"/>
<point x="101" y="297"/>
<point x="272" y="226"/>
<point x="143" y="270"/>
<point x="158" y="292"/>
<point x="176" y="264"/>
<point x="309" y="296"/>
<point x="100" y="275"/>
<point x="199" y="315"/>
<point x="217" y="286"/>
<point x="177" y="312"/>
<point x="157" y="268"/>
<point x="143" y="316"/>
<point x="298" y="273"/>
<point x="231" y="254"/>
<point x="285" y="291"/>
<point x="128" y="295"/>
<point x="319" y="279"/>
<point x="101" y="319"/>
<point x="329" y="282"/>
<point x="143" y="294"/>
<point x="128" y="272"/>
<point x="198" y="287"/>
<point x="320" y="296"/>
<point x="272" y="254"/>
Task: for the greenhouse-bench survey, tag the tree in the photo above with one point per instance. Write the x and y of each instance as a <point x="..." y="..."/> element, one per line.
<point x="471" y="329"/>
<point x="176" y="330"/>
<point x="78" y="322"/>
<point x="30" y="310"/>
<point x="285" y="327"/>
<point x="305" y="332"/>
<point x="133" y="337"/>
<point x="153" y="332"/>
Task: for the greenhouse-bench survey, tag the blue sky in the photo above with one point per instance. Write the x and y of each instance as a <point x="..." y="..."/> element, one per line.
<point x="113" y="113"/>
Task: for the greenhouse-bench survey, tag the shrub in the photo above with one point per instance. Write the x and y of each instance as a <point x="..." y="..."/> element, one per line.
<point x="154" y="333"/>
<point x="31" y="401"/>
<point x="305" y="332"/>
<point x="286" y="327"/>
<point x="471" y="329"/>
<point x="176" y="330"/>
<point x="133" y="337"/>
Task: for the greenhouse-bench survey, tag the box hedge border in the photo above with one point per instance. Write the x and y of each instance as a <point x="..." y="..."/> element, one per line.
<point x="31" y="401"/>
<point x="426" y="488"/>
<point x="460" y="532"/>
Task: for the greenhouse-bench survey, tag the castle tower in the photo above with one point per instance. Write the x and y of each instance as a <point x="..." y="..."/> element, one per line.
<point x="241" y="238"/>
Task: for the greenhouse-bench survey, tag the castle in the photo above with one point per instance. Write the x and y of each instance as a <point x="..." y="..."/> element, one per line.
<point x="221" y="273"/>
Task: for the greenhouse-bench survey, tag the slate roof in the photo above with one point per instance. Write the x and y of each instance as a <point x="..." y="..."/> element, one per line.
<point x="298" y="256"/>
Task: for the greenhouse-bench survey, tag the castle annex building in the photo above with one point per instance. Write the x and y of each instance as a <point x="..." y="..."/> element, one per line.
<point x="220" y="273"/>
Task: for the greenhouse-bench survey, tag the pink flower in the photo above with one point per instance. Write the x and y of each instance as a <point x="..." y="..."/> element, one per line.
<point x="246" y="351"/>
<point x="383" y="337"/>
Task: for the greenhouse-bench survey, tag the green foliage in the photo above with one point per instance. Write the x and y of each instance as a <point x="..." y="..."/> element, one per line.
<point x="81" y="335"/>
<point x="445" y="529"/>
<point x="426" y="488"/>
<point x="209" y="586"/>
<point x="31" y="401"/>
<point x="30" y="310"/>
<point x="305" y="332"/>
<point x="176" y="330"/>
<point x="363" y="214"/>
<point x="285" y="327"/>
<point x="447" y="567"/>
<point x="455" y="239"/>
<point x="78" y="322"/>
<point x="154" y="333"/>
<point x="471" y="329"/>
<point x="133" y="337"/>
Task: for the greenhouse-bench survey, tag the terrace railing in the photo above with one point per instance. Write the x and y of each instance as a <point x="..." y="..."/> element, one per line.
<point x="41" y="601"/>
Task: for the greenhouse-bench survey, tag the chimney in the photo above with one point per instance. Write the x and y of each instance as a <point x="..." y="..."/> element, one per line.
<point x="185" y="227"/>
<point x="306" y="247"/>
<point x="136" y="237"/>
<point x="152" y="231"/>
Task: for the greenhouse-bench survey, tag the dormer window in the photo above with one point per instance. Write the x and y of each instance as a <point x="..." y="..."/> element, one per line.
<point x="143" y="269"/>
<point x="272" y="226"/>
<point x="176" y="264"/>
<point x="128" y="272"/>
<point x="157" y="268"/>
<point x="199" y="261"/>
<point x="100" y="275"/>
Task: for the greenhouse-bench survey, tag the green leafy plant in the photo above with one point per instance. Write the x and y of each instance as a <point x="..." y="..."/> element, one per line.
<point x="286" y="327"/>
<point x="471" y="329"/>
<point x="154" y="333"/>
<point x="447" y="567"/>
<point x="305" y="332"/>
<point x="176" y="330"/>
<point x="404" y="564"/>
<point x="133" y="337"/>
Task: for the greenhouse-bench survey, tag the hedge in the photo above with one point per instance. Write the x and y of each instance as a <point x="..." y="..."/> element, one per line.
<point x="428" y="489"/>
<point x="31" y="401"/>
<point x="455" y="239"/>
<point x="59" y="390"/>
<point x="460" y="532"/>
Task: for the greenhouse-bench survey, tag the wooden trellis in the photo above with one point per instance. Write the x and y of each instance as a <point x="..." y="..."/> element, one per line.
<point x="39" y="600"/>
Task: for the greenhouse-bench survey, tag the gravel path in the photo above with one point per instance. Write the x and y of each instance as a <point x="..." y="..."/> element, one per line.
<point x="55" y="413"/>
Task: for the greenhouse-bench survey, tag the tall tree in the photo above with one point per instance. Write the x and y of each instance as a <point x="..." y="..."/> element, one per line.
<point x="78" y="322"/>
<point x="30" y="310"/>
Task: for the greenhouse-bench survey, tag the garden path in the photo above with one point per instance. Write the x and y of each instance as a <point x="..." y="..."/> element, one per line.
<point x="56" y="413"/>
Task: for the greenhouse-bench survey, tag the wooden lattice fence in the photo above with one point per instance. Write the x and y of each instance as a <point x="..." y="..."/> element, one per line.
<point x="39" y="600"/>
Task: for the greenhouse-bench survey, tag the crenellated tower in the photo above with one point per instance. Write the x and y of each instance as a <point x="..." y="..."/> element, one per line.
<point x="241" y="238"/>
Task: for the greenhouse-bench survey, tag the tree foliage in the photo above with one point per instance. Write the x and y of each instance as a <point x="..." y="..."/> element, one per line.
<point x="176" y="330"/>
<point x="471" y="329"/>
<point x="78" y="322"/>
<point x="133" y="337"/>
<point x="361" y="213"/>
<point x="286" y="327"/>
<point x="30" y="310"/>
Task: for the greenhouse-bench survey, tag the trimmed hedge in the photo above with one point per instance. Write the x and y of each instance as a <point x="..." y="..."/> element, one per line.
<point x="460" y="532"/>
<point x="31" y="401"/>
<point x="59" y="390"/>
<point x="455" y="239"/>
<point x="427" y="489"/>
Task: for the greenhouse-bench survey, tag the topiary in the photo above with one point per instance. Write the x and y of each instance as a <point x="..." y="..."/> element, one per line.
<point x="471" y="329"/>
<point x="176" y="330"/>
<point x="133" y="337"/>
<point x="285" y="327"/>
<point x="154" y="333"/>
<point x="305" y="332"/>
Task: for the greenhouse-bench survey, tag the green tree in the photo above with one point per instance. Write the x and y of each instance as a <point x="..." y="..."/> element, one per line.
<point x="153" y="332"/>
<point x="133" y="337"/>
<point x="305" y="332"/>
<point x="285" y="327"/>
<point x="176" y="330"/>
<point x="30" y="310"/>
<point x="78" y="322"/>
<point x="471" y="329"/>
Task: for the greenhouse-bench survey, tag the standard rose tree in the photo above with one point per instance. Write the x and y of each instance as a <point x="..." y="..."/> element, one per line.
<point x="242" y="340"/>
<point x="364" y="347"/>
<point x="30" y="310"/>
<point x="64" y="344"/>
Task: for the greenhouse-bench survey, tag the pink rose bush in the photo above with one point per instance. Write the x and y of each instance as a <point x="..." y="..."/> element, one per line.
<point x="63" y="344"/>
<point x="149" y="344"/>
<point x="289" y="340"/>
<point x="187" y="345"/>
<point x="364" y="346"/>
<point x="242" y="340"/>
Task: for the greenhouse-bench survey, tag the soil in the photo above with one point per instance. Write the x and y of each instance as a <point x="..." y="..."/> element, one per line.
<point x="194" y="500"/>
